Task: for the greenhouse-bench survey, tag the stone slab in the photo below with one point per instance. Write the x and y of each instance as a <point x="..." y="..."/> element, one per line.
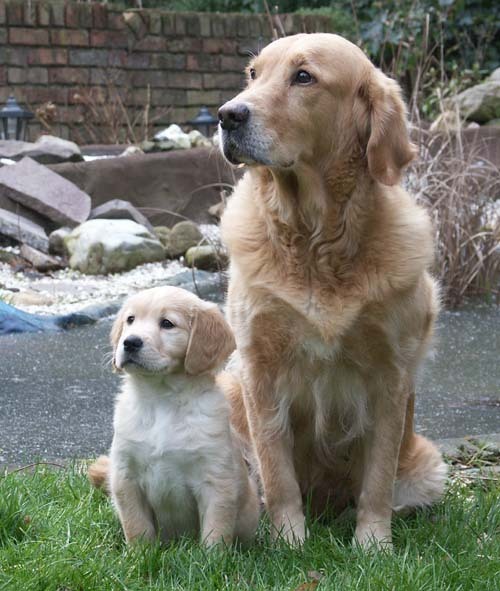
<point x="39" y="188"/>
<point x="119" y="209"/>
<point x="23" y="230"/>
<point x="40" y="260"/>
<point x="47" y="149"/>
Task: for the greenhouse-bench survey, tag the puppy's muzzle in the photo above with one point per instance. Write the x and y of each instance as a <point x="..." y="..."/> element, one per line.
<point x="132" y="344"/>
<point x="233" y="116"/>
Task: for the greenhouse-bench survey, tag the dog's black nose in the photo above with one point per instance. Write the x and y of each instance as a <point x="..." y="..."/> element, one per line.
<point x="131" y="344"/>
<point x="233" y="115"/>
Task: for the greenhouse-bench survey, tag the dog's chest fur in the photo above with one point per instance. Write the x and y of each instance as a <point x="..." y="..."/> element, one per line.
<point x="172" y="444"/>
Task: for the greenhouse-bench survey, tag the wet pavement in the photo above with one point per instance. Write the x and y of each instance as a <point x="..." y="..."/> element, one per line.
<point x="57" y="389"/>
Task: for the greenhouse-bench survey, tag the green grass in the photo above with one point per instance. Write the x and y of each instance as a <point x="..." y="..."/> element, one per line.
<point x="58" y="534"/>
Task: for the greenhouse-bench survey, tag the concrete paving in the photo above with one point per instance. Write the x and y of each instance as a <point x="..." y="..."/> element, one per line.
<point x="57" y="389"/>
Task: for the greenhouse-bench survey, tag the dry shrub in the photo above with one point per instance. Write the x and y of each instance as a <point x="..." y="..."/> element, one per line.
<point x="461" y="192"/>
<point x="107" y="116"/>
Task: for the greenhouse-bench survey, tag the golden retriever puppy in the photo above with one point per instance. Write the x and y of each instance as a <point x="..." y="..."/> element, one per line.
<point x="174" y="466"/>
<point x="330" y="298"/>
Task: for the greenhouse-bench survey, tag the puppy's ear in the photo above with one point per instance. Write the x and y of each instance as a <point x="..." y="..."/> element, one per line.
<point x="116" y="333"/>
<point x="210" y="343"/>
<point x="389" y="148"/>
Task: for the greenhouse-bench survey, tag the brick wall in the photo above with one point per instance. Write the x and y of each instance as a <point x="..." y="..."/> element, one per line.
<point x="81" y="57"/>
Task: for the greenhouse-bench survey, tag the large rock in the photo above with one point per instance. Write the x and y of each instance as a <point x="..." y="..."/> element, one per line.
<point x="56" y="241"/>
<point x="480" y="103"/>
<point x="23" y="230"/>
<point x="48" y="149"/>
<point x="41" y="262"/>
<point x="39" y="188"/>
<point x="206" y="257"/>
<point x="182" y="236"/>
<point x="118" y="209"/>
<point x="111" y="246"/>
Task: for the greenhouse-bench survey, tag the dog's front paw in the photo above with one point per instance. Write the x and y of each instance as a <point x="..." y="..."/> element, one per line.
<point x="375" y="535"/>
<point x="290" y="526"/>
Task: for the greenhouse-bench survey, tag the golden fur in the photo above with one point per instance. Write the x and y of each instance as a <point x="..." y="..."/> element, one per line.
<point x="329" y="298"/>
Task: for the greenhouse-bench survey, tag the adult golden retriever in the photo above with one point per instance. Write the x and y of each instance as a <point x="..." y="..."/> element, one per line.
<point x="329" y="297"/>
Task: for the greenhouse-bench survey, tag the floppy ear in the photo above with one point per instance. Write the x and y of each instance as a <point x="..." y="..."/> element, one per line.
<point x="210" y="343"/>
<point x="389" y="148"/>
<point x="116" y="333"/>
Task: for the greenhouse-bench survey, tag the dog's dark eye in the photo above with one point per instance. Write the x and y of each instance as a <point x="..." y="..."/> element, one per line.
<point x="303" y="77"/>
<point x="165" y="323"/>
<point x="130" y="319"/>
<point x="253" y="74"/>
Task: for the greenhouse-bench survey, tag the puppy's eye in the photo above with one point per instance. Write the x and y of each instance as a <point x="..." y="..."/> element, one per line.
<point x="130" y="319"/>
<point x="303" y="77"/>
<point x="165" y="323"/>
<point x="253" y="74"/>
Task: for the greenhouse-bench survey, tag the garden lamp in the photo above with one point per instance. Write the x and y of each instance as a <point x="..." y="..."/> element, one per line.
<point x="204" y="121"/>
<point x="14" y="120"/>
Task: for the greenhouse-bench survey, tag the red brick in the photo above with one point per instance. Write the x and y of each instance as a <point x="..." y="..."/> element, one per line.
<point x="71" y="37"/>
<point x="168" y="61"/>
<point x="28" y="75"/>
<point x="44" y="15"/>
<point x="3" y="14"/>
<point x="202" y="62"/>
<point x="184" y="45"/>
<point x="47" y="56"/>
<point x="202" y="97"/>
<point x="151" y="43"/>
<point x="219" y="46"/>
<point x="42" y="94"/>
<point x="3" y="75"/>
<point x="100" y="16"/>
<point x="78" y="16"/>
<point x="218" y="22"/>
<point x="116" y="57"/>
<point x="21" y="36"/>
<point x="232" y="63"/>
<point x="99" y="77"/>
<point x="205" y="24"/>
<point x="57" y="14"/>
<point x="15" y="13"/>
<point x="3" y="36"/>
<point x="108" y="39"/>
<point x="167" y="98"/>
<point x="184" y="80"/>
<point x="137" y="60"/>
<point x="155" y="23"/>
<point x="30" y="11"/>
<point x="180" y="24"/>
<point x="222" y="80"/>
<point x="116" y="21"/>
<point x="168" y="24"/>
<point x="88" y="57"/>
<point x="69" y="76"/>
<point x="155" y="79"/>
<point x="17" y="56"/>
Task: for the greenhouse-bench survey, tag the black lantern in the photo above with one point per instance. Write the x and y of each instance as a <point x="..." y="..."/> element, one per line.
<point x="204" y="121"/>
<point x="14" y="120"/>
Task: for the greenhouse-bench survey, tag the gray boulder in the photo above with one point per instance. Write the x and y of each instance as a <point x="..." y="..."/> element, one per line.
<point x="182" y="236"/>
<point x="118" y="209"/>
<point x="48" y="149"/>
<point x="39" y="188"/>
<point x="23" y="230"/>
<point x="56" y="241"/>
<point x="480" y="103"/>
<point x="41" y="262"/>
<point x="205" y="257"/>
<point x="111" y="246"/>
<point x="163" y="233"/>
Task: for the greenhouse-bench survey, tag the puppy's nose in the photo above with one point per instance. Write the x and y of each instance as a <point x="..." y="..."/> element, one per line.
<point x="132" y="343"/>
<point x="233" y="115"/>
